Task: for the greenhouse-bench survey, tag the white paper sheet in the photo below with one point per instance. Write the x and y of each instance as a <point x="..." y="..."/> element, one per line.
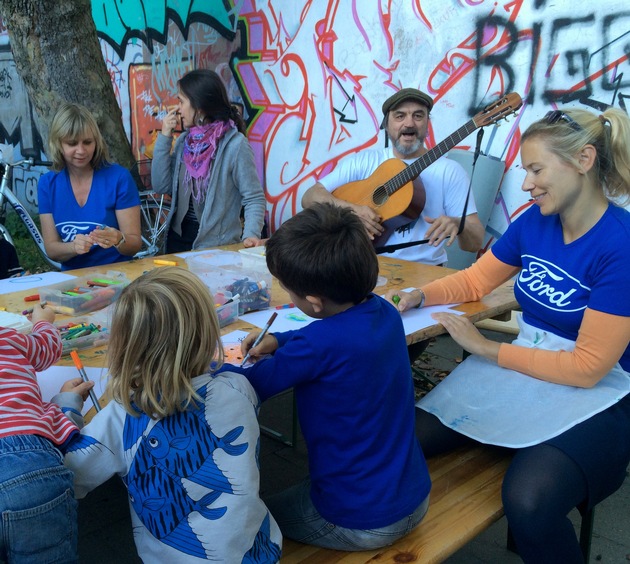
<point x="293" y="318"/>
<point x="19" y="283"/>
<point x="416" y="319"/>
<point x="51" y="380"/>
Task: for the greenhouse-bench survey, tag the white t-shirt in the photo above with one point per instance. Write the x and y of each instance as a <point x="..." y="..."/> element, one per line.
<point x="446" y="184"/>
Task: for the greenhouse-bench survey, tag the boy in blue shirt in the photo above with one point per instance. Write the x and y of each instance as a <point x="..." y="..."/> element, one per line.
<point x="368" y="484"/>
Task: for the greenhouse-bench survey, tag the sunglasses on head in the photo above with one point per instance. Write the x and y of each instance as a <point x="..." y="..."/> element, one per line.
<point x="555" y="116"/>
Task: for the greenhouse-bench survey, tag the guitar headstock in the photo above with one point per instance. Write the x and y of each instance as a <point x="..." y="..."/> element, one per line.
<point x="498" y="110"/>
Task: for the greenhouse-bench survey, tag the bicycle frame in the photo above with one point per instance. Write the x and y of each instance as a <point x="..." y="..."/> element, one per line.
<point x="8" y="197"/>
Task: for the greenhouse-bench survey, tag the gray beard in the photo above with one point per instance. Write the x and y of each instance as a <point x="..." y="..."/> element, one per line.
<point x="407" y="150"/>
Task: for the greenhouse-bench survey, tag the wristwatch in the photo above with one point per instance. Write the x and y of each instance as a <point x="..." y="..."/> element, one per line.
<point x="122" y="240"/>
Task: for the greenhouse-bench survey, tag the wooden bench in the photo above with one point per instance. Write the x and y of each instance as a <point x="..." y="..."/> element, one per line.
<point x="465" y="500"/>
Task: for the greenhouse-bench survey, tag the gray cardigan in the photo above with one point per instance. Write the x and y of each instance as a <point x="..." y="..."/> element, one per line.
<point x="234" y="183"/>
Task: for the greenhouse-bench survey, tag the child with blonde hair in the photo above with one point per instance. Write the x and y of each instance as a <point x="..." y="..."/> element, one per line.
<point x="184" y="441"/>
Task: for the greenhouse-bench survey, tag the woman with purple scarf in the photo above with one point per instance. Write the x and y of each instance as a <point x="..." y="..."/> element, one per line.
<point x="210" y="173"/>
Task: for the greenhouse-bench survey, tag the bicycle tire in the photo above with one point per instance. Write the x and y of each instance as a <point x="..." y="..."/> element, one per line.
<point x="154" y="209"/>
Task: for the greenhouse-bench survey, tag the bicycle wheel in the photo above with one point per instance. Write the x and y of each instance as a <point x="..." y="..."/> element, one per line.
<point x="154" y="209"/>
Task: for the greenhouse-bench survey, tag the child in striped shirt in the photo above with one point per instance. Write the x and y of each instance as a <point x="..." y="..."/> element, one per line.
<point x="37" y="502"/>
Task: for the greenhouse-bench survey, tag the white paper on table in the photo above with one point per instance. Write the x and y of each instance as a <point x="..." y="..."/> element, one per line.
<point x="51" y="380"/>
<point x="232" y="347"/>
<point x="417" y="319"/>
<point x="293" y="318"/>
<point x="19" y="283"/>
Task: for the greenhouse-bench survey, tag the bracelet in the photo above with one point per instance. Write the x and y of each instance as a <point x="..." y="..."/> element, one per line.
<point x="422" y="298"/>
<point x="122" y="240"/>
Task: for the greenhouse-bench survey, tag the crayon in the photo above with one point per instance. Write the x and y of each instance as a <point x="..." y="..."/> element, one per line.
<point x="161" y="262"/>
<point x="30" y="309"/>
<point x="396" y="299"/>
<point x="33" y="298"/>
<point x="105" y="281"/>
<point x="285" y="306"/>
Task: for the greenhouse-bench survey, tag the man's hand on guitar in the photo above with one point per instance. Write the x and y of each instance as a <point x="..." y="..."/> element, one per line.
<point x="441" y="228"/>
<point x="370" y="218"/>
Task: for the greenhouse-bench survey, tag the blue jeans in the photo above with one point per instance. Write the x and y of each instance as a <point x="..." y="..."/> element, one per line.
<point x="39" y="512"/>
<point x="298" y="519"/>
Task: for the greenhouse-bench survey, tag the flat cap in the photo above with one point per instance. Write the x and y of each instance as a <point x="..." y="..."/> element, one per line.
<point x="407" y="94"/>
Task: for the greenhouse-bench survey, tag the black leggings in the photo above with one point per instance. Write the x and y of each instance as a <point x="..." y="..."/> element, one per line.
<point x="541" y="486"/>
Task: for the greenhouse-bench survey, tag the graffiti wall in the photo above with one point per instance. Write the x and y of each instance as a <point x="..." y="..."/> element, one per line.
<point x="312" y="75"/>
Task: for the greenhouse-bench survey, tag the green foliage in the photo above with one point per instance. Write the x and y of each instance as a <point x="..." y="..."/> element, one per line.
<point x="28" y="252"/>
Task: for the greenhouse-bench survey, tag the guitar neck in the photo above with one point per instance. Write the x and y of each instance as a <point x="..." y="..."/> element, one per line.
<point x="416" y="167"/>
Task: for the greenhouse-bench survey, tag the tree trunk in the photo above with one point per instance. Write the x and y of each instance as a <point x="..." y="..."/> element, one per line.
<point x="58" y="56"/>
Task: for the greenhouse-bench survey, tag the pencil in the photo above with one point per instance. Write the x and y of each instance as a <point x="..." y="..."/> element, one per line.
<point x="84" y="377"/>
<point x="261" y="336"/>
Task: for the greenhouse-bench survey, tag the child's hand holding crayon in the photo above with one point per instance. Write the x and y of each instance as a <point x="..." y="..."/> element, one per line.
<point x="42" y="313"/>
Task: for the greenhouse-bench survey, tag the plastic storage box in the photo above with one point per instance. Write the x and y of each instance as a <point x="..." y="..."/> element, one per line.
<point x="254" y="257"/>
<point x="227" y="310"/>
<point x="223" y="271"/>
<point x="82" y="333"/>
<point x="85" y="294"/>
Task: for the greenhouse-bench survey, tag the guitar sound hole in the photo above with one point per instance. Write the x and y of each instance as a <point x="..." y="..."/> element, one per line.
<point x="380" y="196"/>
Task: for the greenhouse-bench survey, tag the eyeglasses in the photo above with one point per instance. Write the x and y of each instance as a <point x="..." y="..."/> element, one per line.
<point x="554" y="116"/>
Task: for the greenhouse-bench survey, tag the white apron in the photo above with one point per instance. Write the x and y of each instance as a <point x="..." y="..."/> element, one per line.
<point x="503" y="407"/>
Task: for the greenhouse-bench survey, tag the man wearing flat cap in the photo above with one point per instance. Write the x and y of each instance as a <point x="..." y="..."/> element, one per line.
<point x="439" y="192"/>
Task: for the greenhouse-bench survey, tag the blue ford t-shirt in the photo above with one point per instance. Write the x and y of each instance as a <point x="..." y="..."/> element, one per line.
<point x="559" y="281"/>
<point x="112" y="189"/>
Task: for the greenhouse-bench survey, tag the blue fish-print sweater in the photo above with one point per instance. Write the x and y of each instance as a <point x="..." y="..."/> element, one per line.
<point x="192" y="477"/>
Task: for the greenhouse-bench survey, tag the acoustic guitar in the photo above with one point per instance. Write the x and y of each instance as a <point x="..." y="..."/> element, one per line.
<point x="389" y="189"/>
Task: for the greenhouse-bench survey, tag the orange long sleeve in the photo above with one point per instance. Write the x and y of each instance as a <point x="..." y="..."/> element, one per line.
<point x="471" y="284"/>
<point x="601" y="341"/>
<point x="602" y="337"/>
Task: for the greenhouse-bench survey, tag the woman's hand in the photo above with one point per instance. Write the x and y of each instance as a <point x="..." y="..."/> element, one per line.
<point x="82" y="244"/>
<point x="105" y="237"/>
<point x="268" y="345"/>
<point x="254" y="242"/>
<point x="169" y="123"/>
<point x="403" y="301"/>
<point x="467" y="335"/>
<point x="78" y="386"/>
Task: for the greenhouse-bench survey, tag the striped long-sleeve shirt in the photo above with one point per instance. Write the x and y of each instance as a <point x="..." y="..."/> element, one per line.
<point x="22" y="410"/>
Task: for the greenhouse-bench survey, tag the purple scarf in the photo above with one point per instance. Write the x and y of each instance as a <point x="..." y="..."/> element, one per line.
<point x="200" y="148"/>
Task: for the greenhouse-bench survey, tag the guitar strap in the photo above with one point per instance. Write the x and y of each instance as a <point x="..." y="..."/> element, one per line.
<point x="462" y="221"/>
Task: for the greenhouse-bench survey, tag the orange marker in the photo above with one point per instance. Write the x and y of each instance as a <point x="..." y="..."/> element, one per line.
<point x="84" y="377"/>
